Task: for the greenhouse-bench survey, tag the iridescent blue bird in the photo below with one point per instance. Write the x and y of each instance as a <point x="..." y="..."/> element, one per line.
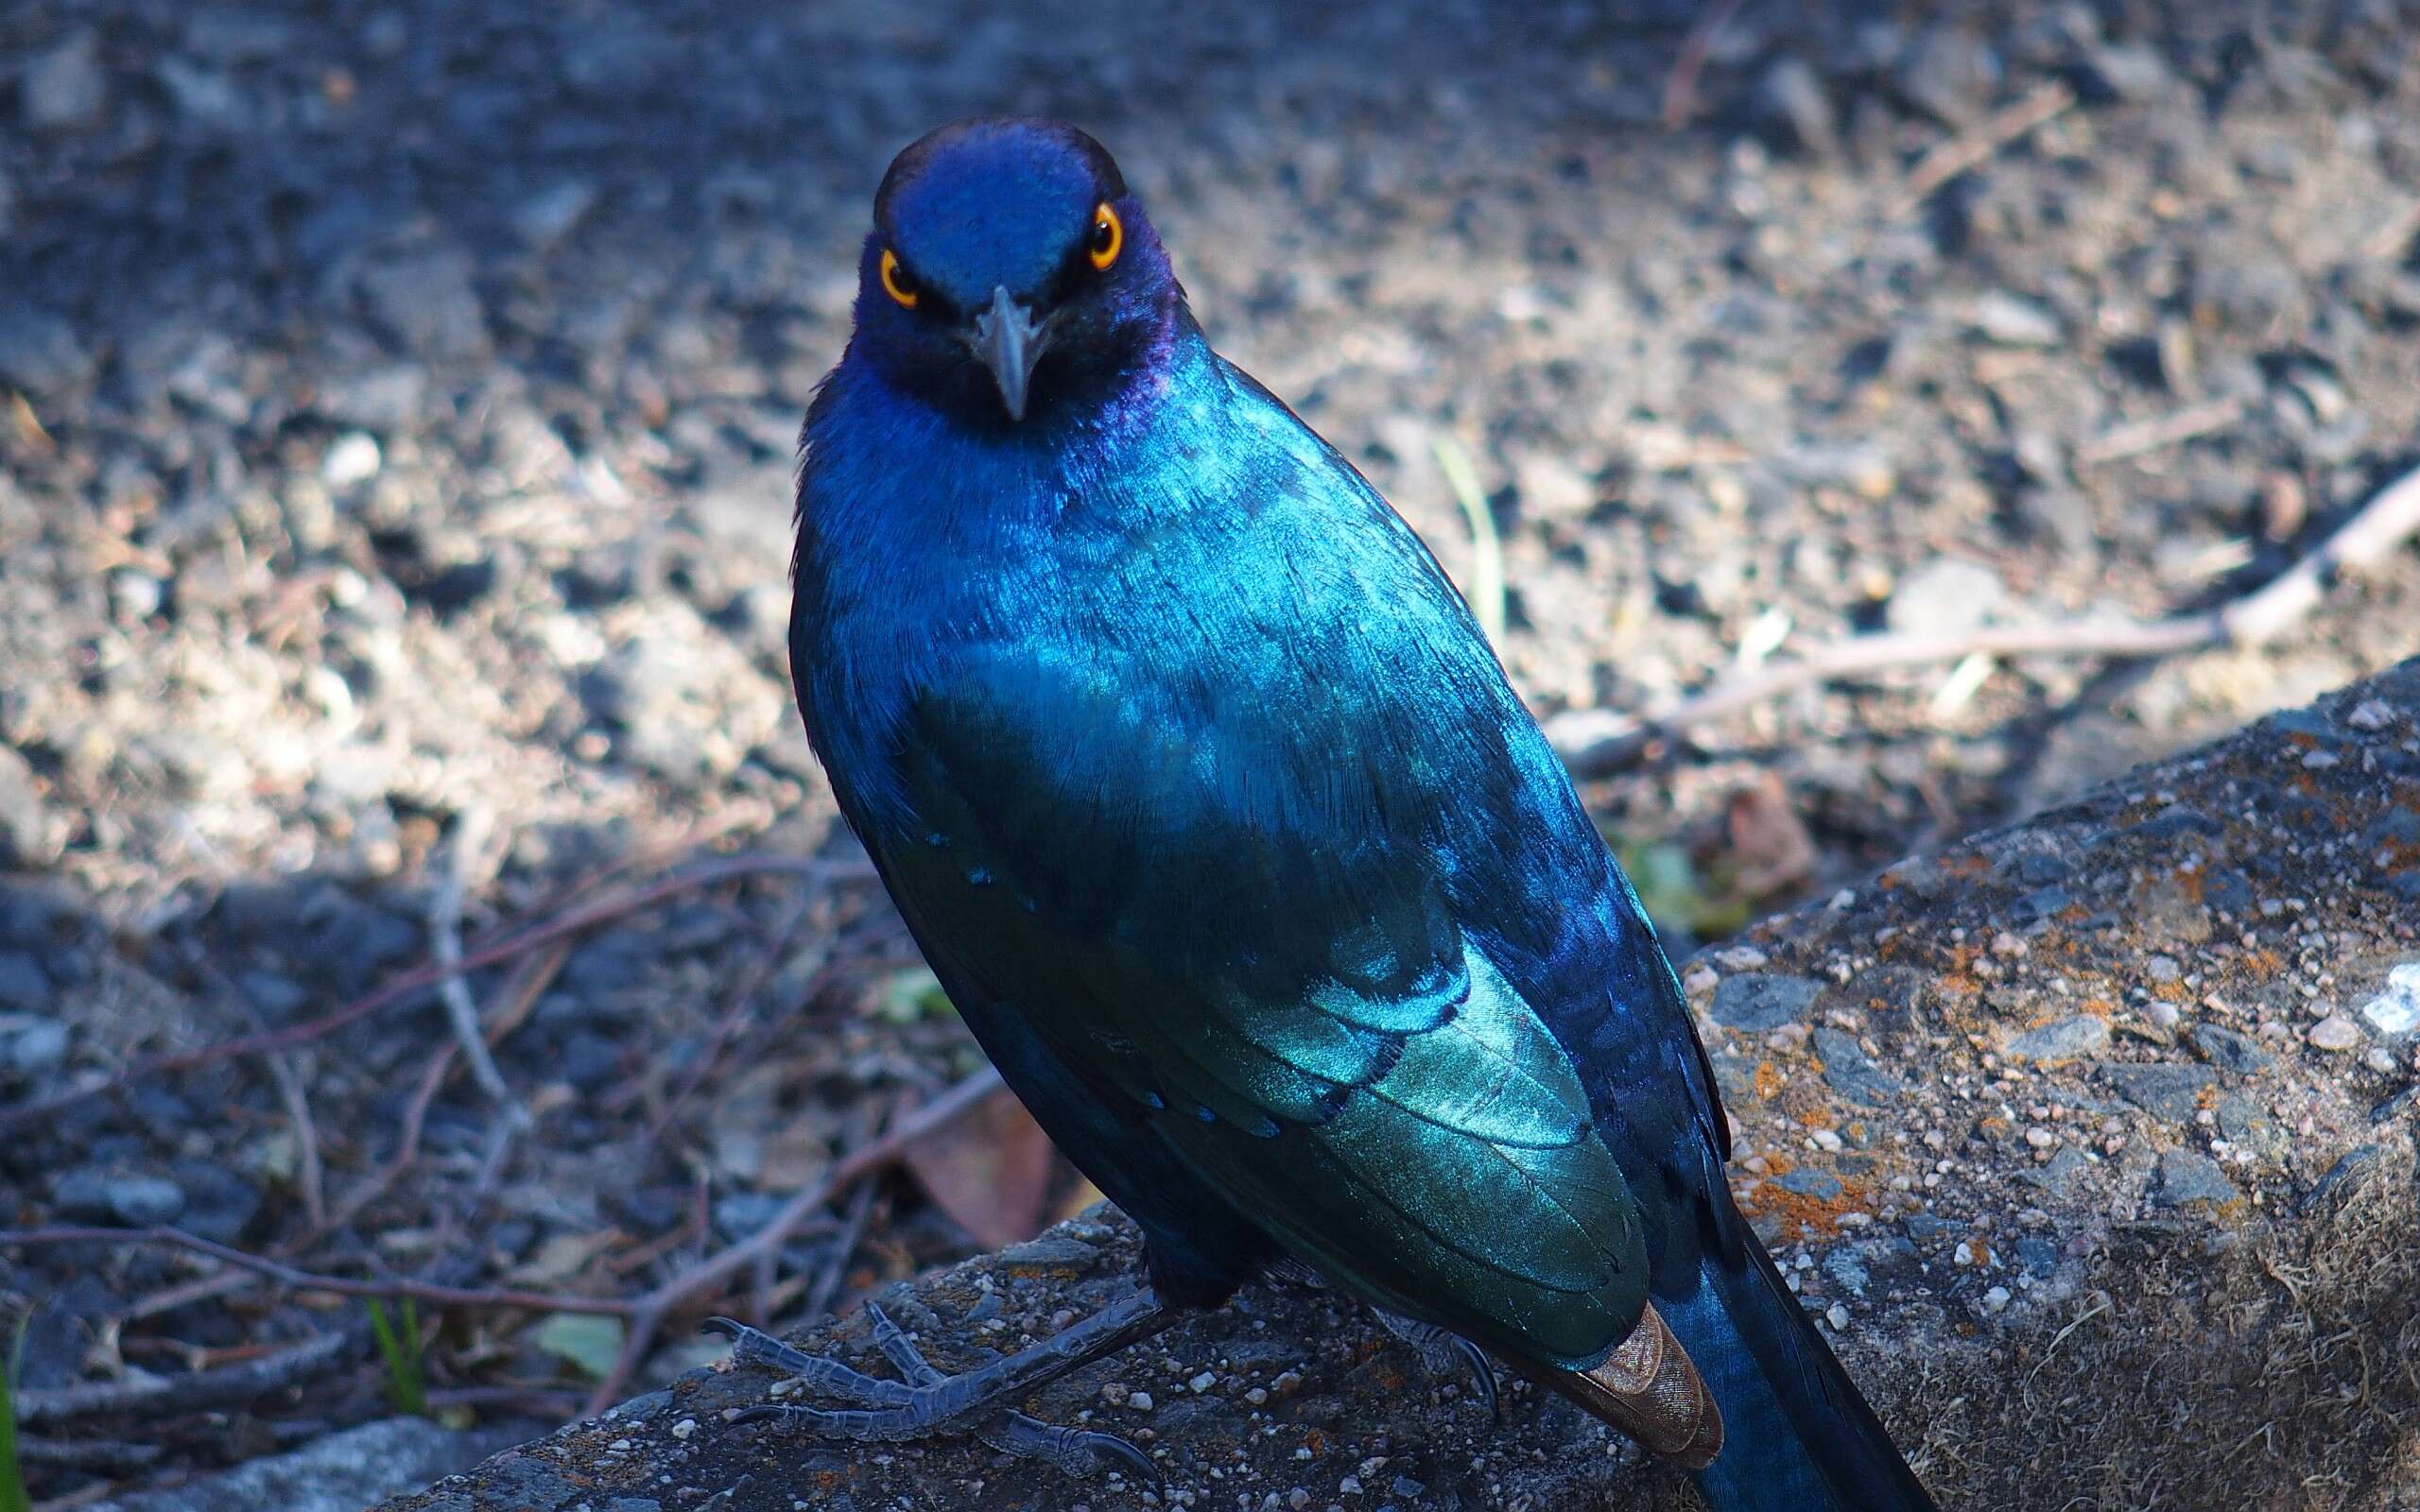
<point x="1207" y="801"/>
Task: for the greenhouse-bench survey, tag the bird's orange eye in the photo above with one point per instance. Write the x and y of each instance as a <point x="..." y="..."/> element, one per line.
<point x="1108" y="237"/>
<point x="895" y="281"/>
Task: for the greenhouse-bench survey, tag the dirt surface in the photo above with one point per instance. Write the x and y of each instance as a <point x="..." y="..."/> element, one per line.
<point x="2095" y="1227"/>
<point x="396" y="406"/>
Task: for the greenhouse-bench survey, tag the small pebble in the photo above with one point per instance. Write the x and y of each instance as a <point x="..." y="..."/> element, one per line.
<point x="2335" y="1033"/>
<point x="354" y="458"/>
<point x="1203" y="1382"/>
<point x="684" y="1428"/>
<point x="1996" y="1298"/>
<point x="2370" y="714"/>
<point x="1140" y="1401"/>
<point x="1838" y="1316"/>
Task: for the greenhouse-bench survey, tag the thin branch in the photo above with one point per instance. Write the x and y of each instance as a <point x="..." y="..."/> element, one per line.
<point x="1681" y="84"/>
<point x="1971" y="150"/>
<point x="2160" y="431"/>
<point x="468" y="1296"/>
<point x="844" y="1245"/>
<point x="1597" y="741"/>
<point x="647" y="1314"/>
<point x="162" y="1395"/>
<point x="86" y="1453"/>
<point x="471" y="829"/>
<point x="408" y="984"/>
<point x="743" y="997"/>
<point x="538" y="1401"/>
<point x="307" y="1135"/>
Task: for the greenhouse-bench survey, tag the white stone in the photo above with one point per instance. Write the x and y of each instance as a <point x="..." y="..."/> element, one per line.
<point x="354" y="458"/>
<point x="2335" y="1032"/>
<point x="2396" y="1012"/>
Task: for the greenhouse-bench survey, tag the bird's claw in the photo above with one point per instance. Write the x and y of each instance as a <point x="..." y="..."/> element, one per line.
<point x="913" y="1408"/>
<point x="1447" y="1356"/>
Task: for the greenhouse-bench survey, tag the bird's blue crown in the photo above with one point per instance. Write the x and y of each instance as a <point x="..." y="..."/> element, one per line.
<point x="1010" y="269"/>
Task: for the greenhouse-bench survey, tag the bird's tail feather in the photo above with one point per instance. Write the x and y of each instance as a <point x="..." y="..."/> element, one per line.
<point x="1798" y="1436"/>
<point x="1649" y="1390"/>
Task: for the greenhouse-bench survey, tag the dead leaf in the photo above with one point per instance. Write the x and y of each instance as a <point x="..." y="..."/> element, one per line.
<point x="988" y="1170"/>
<point x="591" y="1345"/>
<point x="564" y="1257"/>
<point x="1768" y="842"/>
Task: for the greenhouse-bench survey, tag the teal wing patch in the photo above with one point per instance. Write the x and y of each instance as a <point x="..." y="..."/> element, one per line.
<point x="1249" y="939"/>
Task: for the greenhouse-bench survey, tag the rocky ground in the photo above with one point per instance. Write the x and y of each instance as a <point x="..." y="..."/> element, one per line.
<point x="396" y="405"/>
<point x="2053" y="1131"/>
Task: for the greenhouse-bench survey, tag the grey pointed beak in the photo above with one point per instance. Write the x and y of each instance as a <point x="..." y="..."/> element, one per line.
<point x="1009" y="341"/>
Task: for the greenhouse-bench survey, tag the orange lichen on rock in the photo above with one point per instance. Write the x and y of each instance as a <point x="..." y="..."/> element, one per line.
<point x="1803" y="1214"/>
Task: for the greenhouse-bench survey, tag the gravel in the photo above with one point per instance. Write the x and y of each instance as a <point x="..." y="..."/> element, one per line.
<point x="1757" y="1000"/>
<point x="2170" y="1092"/>
<point x="395" y="419"/>
<point x="2187" y="1176"/>
<point x="2070" y="1038"/>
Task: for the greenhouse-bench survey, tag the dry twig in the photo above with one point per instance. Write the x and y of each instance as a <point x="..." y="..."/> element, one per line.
<point x="1681" y="84"/>
<point x="471" y="829"/>
<point x="844" y="1244"/>
<point x="408" y="984"/>
<point x="1596" y="741"/>
<point x="645" y="1313"/>
<point x="277" y="1270"/>
<point x="106" y="1455"/>
<point x="165" y="1395"/>
<point x="1971" y="150"/>
<point x="742" y="997"/>
<point x="648" y="1313"/>
<point x="2160" y="431"/>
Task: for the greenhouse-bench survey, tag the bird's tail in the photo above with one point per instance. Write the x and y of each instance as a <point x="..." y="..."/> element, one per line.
<point x="1797" y="1436"/>
<point x="1734" y="1382"/>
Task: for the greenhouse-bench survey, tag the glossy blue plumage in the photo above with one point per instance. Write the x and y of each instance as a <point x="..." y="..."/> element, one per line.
<point x="1212" y="809"/>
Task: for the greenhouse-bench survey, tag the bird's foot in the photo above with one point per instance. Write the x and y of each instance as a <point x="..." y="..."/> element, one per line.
<point x="1445" y="1355"/>
<point x="926" y="1403"/>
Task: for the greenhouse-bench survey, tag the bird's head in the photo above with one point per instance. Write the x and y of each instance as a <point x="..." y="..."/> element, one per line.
<point x="1009" y="272"/>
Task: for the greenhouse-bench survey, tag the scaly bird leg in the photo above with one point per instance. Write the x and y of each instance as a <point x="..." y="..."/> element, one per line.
<point x="929" y="1401"/>
<point x="1445" y="1355"/>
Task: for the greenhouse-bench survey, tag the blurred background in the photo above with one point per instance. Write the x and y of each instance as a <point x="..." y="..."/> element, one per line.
<point x="397" y="404"/>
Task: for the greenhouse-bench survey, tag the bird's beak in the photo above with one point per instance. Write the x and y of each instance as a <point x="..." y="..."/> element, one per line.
<point x="1009" y="341"/>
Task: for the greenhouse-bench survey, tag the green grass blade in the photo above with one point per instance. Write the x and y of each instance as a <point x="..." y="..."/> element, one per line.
<point x="13" y="1495"/>
<point x="1486" y="593"/>
<point x="399" y="1348"/>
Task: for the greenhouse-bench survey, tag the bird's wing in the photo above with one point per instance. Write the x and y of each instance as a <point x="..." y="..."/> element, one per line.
<point x="1235" y="924"/>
